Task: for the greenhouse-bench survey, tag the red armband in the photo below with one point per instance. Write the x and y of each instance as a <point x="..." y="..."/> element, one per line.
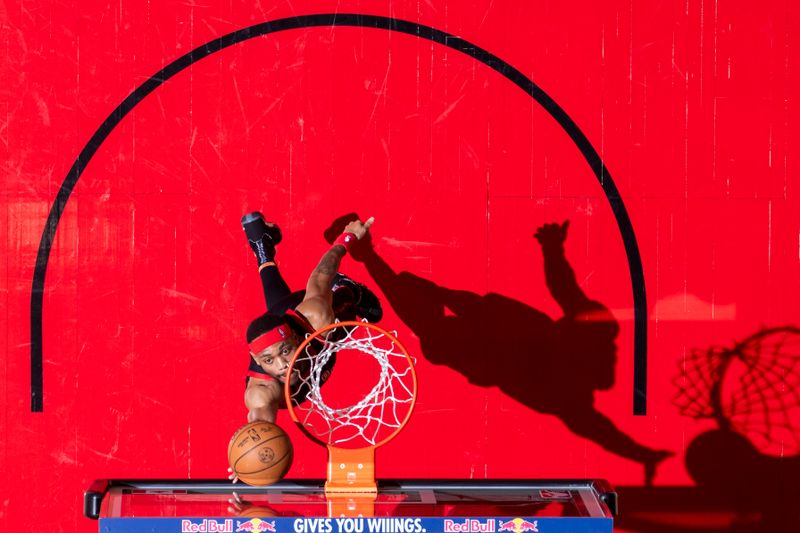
<point x="346" y="239"/>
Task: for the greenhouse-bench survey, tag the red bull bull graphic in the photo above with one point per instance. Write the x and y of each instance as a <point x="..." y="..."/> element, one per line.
<point x="256" y="525"/>
<point x="518" y="525"/>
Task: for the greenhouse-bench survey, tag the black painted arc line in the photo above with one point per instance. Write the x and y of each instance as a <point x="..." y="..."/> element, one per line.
<point x="366" y="21"/>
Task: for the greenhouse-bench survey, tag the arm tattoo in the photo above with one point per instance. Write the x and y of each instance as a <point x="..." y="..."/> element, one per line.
<point x="330" y="262"/>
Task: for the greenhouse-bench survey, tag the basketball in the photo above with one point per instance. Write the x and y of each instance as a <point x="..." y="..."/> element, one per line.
<point x="258" y="512"/>
<point x="260" y="453"/>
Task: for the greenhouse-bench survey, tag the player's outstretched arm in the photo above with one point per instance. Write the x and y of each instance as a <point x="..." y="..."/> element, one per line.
<point x="262" y="399"/>
<point x="317" y="304"/>
<point x="559" y="275"/>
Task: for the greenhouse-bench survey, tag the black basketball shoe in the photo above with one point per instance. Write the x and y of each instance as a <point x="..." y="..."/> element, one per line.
<point x="364" y="302"/>
<point x="262" y="237"/>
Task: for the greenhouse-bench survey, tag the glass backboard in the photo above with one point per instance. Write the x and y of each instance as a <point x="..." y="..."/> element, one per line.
<point x="400" y="506"/>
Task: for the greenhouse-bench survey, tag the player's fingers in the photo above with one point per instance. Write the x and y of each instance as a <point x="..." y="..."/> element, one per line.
<point x="565" y="225"/>
<point x="369" y="222"/>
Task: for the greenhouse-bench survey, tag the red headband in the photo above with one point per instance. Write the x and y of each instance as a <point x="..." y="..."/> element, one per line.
<point x="265" y="340"/>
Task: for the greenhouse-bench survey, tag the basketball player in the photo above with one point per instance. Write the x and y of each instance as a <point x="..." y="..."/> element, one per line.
<point x="274" y="336"/>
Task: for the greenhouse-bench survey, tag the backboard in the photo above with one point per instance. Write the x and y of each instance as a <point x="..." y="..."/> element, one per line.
<point x="420" y="506"/>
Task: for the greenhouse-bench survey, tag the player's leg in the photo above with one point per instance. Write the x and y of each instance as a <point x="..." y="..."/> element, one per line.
<point x="263" y="237"/>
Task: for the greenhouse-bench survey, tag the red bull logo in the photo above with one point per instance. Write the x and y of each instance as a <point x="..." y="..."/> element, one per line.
<point x="207" y="526"/>
<point x="470" y="525"/>
<point x="255" y="525"/>
<point x="518" y="525"/>
<point x="554" y="494"/>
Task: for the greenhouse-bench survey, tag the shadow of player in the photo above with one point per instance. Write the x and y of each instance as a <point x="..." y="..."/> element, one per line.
<point x="551" y="366"/>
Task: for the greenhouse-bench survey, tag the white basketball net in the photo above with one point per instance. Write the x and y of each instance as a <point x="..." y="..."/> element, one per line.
<point x="378" y="414"/>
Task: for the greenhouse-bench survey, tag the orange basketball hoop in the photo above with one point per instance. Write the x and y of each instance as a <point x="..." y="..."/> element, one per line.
<point x="369" y="392"/>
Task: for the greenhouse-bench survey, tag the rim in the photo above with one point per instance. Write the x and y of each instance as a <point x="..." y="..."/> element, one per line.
<point x="287" y="390"/>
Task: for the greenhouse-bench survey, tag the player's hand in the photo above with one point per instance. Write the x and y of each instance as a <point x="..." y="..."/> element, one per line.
<point x="552" y="233"/>
<point x="232" y="476"/>
<point x="358" y="228"/>
<point x="236" y="505"/>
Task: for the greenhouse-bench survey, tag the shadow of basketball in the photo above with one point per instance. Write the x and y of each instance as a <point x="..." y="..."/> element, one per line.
<point x="751" y="462"/>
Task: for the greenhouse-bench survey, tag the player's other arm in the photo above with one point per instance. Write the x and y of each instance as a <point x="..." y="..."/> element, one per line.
<point x="317" y="306"/>
<point x="262" y="398"/>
